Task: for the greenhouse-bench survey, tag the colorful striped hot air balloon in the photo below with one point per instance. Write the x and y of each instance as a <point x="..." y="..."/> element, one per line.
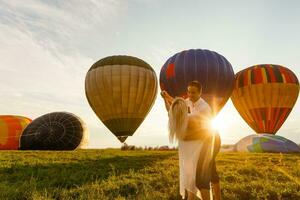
<point x="11" y="128"/>
<point x="266" y="143"/>
<point x="264" y="95"/>
<point x="121" y="90"/>
<point x="211" y="69"/>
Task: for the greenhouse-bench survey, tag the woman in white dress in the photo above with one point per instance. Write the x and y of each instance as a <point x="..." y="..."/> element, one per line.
<point x="192" y="133"/>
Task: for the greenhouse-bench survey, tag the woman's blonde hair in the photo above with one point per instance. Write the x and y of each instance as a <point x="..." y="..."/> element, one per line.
<point x="178" y="119"/>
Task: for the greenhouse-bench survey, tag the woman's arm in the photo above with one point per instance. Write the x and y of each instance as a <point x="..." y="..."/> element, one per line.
<point x="167" y="99"/>
<point x="167" y="105"/>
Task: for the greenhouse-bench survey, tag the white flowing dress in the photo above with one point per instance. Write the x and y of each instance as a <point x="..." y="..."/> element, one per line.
<point x="189" y="151"/>
<point x="188" y="159"/>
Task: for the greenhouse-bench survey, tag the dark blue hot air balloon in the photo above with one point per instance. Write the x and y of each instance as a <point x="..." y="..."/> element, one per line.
<point x="211" y="69"/>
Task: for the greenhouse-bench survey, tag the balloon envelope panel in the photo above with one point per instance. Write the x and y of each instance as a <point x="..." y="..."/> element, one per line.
<point x="264" y="95"/>
<point x="11" y="128"/>
<point x="54" y="131"/>
<point x="211" y="69"/>
<point x="266" y="143"/>
<point x="121" y="91"/>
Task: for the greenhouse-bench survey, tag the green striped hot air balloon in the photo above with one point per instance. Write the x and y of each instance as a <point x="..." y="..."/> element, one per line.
<point x="121" y="91"/>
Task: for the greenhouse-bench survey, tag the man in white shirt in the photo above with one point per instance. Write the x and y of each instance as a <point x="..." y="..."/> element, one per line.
<point x="194" y="100"/>
<point x="195" y="103"/>
<point x="198" y="106"/>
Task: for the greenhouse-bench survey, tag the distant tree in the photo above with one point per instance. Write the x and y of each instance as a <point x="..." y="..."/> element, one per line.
<point x="163" y="148"/>
<point x="227" y="146"/>
<point x="126" y="147"/>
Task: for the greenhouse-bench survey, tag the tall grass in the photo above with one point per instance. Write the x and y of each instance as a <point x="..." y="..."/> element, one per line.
<point x="115" y="174"/>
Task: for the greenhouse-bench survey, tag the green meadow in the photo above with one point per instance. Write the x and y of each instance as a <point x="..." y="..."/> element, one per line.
<point x="140" y="174"/>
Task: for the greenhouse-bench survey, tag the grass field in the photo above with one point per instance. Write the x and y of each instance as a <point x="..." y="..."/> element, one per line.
<point x="115" y="174"/>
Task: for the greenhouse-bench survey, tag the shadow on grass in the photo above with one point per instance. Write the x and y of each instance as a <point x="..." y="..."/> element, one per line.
<point x="75" y="174"/>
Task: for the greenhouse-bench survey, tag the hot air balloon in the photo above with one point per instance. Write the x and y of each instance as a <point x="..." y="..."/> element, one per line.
<point x="211" y="69"/>
<point x="264" y="95"/>
<point x="121" y="91"/>
<point x="266" y="143"/>
<point x="11" y="127"/>
<point x="54" y="131"/>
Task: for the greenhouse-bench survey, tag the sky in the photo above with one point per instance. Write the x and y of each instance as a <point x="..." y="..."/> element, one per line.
<point x="47" y="47"/>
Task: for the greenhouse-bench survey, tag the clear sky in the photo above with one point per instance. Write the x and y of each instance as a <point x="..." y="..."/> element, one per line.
<point x="46" y="48"/>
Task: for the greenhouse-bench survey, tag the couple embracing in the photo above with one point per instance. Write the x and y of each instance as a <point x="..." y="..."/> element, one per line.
<point x="198" y="143"/>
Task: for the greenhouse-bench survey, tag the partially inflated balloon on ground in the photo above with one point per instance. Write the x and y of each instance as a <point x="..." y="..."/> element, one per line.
<point x="264" y="95"/>
<point x="121" y="91"/>
<point x="211" y="69"/>
<point x="266" y="143"/>
<point x="11" y="128"/>
<point x="54" y="131"/>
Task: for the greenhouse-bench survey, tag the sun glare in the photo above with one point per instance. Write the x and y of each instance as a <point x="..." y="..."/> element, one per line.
<point x="216" y="124"/>
<point x="220" y="124"/>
